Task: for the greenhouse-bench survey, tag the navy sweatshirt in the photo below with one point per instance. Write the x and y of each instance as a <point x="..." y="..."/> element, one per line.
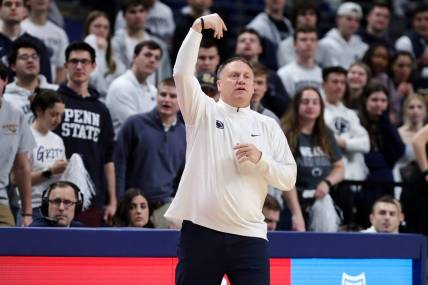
<point x="150" y="158"/>
<point x="87" y="129"/>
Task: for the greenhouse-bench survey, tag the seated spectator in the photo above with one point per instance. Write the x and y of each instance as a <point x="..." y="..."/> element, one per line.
<point x="341" y="45"/>
<point x="54" y="37"/>
<point x="108" y="68"/>
<point x="132" y="93"/>
<point x="47" y="159"/>
<point x="271" y="210"/>
<point x="24" y="60"/>
<point x="386" y="216"/>
<point x="318" y="157"/>
<point x="61" y="203"/>
<point x="150" y="152"/>
<point x="359" y="75"/>
<point x="386" y="148"/>
<point x="133" y="210"/>
<point x="208" y="82"/>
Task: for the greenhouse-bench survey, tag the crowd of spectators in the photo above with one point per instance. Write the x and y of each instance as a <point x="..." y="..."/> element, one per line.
<point x="348" y="90"/>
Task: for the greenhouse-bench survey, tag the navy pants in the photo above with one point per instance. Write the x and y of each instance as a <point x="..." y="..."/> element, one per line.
<point x="206" y="255"/>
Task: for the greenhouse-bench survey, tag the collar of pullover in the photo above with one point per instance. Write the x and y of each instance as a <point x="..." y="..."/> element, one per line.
<point x="231" y="109"/>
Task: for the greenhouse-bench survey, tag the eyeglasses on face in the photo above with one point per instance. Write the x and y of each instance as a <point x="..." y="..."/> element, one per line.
<point x="67" y="203"/>
<point x="26" y="57"/>
<point x="76" y="61"/>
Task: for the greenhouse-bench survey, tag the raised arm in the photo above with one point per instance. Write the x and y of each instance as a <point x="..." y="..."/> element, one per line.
<point x="190" y="95"/>
<point x="419" y="143"/>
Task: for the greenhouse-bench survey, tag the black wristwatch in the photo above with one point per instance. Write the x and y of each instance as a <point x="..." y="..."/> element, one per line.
<point x="328" y="182"/>
<point x="47" y="173"/>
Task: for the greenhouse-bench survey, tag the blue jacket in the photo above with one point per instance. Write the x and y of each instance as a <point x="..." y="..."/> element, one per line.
<point x="150" y="158"/>
<point x="43" y="222"/>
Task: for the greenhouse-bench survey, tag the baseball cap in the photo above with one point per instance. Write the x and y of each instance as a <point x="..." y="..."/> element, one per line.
<point x="350" y="9"/>
<point x="208" y="80"/>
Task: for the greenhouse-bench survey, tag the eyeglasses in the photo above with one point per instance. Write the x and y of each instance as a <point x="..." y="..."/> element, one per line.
<point x="76" y="61"/>
<point x="26" y="57"/>
<point x="67" y="203"/>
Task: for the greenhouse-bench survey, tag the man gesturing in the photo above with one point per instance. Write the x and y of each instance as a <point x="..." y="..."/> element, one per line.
<point x="233" y="153"/>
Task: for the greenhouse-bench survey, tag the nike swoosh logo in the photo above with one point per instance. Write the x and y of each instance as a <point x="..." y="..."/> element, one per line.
<point x="253" y="135"/>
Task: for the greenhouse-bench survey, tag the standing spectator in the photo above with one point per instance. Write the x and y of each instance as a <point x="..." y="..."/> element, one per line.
<point x="150" y="153"/>
<point x="132" y="93"/>
<point x="386" y="148"/>
<point x="47" y="159"/>
<point x="377" y="59"/>
<point x="54" y="37"/>
<point x="378" y="20"/>
<point x="350" y="135"/>
<point x="400" y="83"/>
<point x="208" y="57"/>
<point x="24" y="60"/>
<point x="16" y="143"/>
<point x="160" y="21"/>
<point x="87" y="129"/>
<point x="12" y="12"/>
<point x="98" y="35"/>
<point x="415" y="197"/>
<point x="184" y="20"/>
<point x="318" y="157"/>
<point x="133" y="210"/>
<point x="249" y="46"/>
<point x="415" y="41"/>
<point x="304" y="15"/>
<point x="341" y="45"/>
<point x="386" y="216"/>
<point x="273" y="26"/>
<point x="126" y="39"/>
<point x="359" y="75"/>
<point x="303" y="71"/>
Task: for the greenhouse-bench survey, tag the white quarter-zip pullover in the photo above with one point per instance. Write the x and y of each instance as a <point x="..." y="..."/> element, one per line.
<point x="215" y="190"/>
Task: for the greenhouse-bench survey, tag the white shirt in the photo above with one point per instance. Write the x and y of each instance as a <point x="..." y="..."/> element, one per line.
<point x="345" y="124"/>
<point x="19" y="96"/>
<point x="294" y="76"/>
<point x="50" y="148"/>
<point x="126" y="96"/>
<point x="215" y="190"/>
<point x="53" y="37"/>
<point x="338" y="51"/>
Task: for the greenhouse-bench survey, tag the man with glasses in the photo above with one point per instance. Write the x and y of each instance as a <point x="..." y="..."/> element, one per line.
<point x="60" y="204"/>
<point x="12" y="12"/>
<point x="87" y="129"/>
<point x="24" y="60"/>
